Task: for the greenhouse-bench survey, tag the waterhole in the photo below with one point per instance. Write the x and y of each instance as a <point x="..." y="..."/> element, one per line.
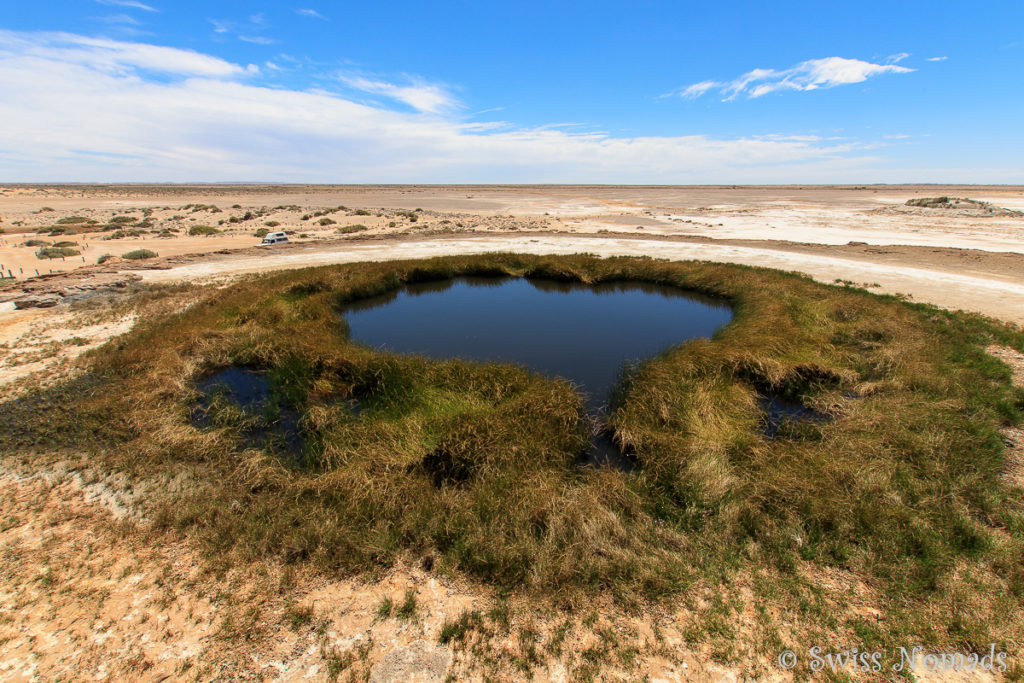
<point x="586" y="334"/>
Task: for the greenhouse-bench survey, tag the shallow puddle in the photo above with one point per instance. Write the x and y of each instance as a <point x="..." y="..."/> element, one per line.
<point x="250" y="390"/>
<point x="585" y="334"/>
<point x="780" y="412"/>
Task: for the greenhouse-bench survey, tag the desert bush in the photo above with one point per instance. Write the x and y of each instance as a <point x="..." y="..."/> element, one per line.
<point x="124" y="233"/>
<point x="203" y="230"/>
<point x="348" y="229"/>
<point x="326" y="221"/>
<point x="139" y="254"/>
<point x="56" y="252"/>
<point x="104" y="258"/>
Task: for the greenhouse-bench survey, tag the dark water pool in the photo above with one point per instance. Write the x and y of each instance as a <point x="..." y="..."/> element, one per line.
<point x="585" y="334"/>
<point x="781" y="415"/>
<point x="251" y="391"/>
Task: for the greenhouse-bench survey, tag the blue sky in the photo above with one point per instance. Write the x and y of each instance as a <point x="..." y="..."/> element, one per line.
<point x="640" y="92"/>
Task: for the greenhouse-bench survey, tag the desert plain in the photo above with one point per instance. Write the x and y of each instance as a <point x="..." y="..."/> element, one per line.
<point x="132" y="607"/>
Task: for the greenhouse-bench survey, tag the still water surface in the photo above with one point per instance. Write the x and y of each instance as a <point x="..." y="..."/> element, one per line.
<point x="585" y="334"/>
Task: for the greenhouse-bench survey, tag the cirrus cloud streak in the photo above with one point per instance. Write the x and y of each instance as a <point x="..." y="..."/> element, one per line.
<point x="812" y="74"/>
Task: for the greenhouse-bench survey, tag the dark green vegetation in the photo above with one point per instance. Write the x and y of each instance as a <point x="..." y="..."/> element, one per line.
<point x="139" y="254"/>
<point x="349" y="229"/>
<point x="56" y="252"/>
<point x="899" y="495"/>
<point x="203" y="230"/>
<point x="124" y="233"/>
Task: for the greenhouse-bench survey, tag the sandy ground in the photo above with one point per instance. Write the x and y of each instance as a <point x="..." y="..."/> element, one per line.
<point x="86" y="592"/>
<point x="955" y="258"/>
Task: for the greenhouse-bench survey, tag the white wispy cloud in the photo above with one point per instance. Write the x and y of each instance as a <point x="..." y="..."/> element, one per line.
<point x="311" y="13"/>
<point x="812" y="74"/>
<point x="134" y="4"/>
<point x="424" y="97"/>
<point x="121" y="19"/>
<point x="938" y="59"/>
<point x="698" y="89"/>
<point x="101" y="55"/>
<point x="202" y="118"/>
<point x="259" y="40"/>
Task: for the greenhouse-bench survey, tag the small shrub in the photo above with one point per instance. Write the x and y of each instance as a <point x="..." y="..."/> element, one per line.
<point x="56" y="252"/>
<point x="262" y="232"/>
<point x="272" y="224"/>
<point x="139" y="254"/>
<point x="360" y="212"/>
<point x="123" y="220"/>
<point x="74" y="220"/>
<point x="203" y="230"/>
<point x="347" y="229"/>
<point x="236" y="206"/>
<point x="122" y="234"/>
<point x="36" y="243"/>
<point x="65" y="244"/>
<point x="104" y="258"/>
<point x="385" y="608"/>
<point x="326" y="221"/>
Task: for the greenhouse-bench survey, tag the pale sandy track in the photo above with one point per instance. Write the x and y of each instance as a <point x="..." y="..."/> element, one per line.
<point x="1001" y="297"/>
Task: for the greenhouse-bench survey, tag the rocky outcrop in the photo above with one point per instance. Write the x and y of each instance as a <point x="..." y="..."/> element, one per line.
<point x="38" y="301"/>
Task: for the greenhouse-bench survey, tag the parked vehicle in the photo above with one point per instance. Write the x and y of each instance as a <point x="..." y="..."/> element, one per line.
<point x="274" y="238"/>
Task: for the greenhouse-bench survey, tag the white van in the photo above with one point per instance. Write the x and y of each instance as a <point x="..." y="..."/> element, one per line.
<point x="274" y="238"/>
